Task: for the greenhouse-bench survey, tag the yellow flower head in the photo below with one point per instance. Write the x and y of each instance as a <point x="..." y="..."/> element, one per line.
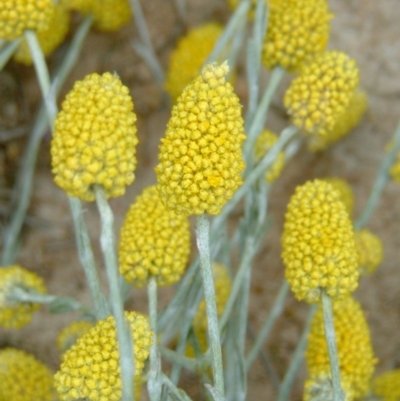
<point x="13" y="313"/>
<point x="18" y="16"/>
<point x="265" y="141"/>
<point x="298" y="30"/>
<point x="90" y="368"/>
<point x="189" y="55"/>
<point x="348" y="120"/>
<point x="49" y="38"/>
<point x="200" y="159"/>
<point x="83" y="6"/>
<point x="68" y="336"/>
<point x="95" y="138"/>
<point x="321" y="94"/>
<point x="369" y="249"/>
<point x="355" y="354"/>
<point x="318" y="243"/>
<point x="345" y="192"/>
<point x="155" y="241"/>
<point x="386" y="387"/>
<point x="23" y="378"/>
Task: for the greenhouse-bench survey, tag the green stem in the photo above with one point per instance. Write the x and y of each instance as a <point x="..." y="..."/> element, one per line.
<point x="178" y="393"/>
<point x="268" y="324"/>
<point x="154" y="384"/>
<point x="8" y="51"/>
<point x="107" y="241"/>
<point x="381" y="179"/>
<point x="338" y="394"/>
<point x="296" y="360"/>
<point x="203" y="245"/>
<point x="101" y="307"/>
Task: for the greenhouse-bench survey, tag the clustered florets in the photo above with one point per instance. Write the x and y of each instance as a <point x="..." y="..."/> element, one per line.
<point x="155" y="242"/>
<point x="90" y="368"/>
<point x="200" y="159"/>
<point x="369" y="249"/>
<point x="355" y="353"/>
<point x="94" y="140"/>
<point x="345" y="192"/>
<point x="386" y="386"/>
<point x="68" y="336"/>
<point x="15" y="314"/>
<point x="318" y="243"/>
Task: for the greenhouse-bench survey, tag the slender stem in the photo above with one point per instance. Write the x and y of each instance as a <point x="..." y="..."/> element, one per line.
<point x="178" y="393"/>
<point x="338" y="394"/>
<point x="268" y="324"/>
<point x="203" y="244"/>
<point x="296" y="360"/>
<point x="183" y="361"/>
<point x="107" y="241"/>
<point x="101" y="307"/>
<point x="8" y="51"/>
<point x="154" y="383"/>
<point x="380" y="181"/>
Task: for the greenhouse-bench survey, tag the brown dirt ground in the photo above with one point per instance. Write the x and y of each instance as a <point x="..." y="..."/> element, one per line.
<point x="368" y="30"/>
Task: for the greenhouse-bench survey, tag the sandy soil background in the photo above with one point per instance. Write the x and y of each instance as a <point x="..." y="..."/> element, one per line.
<point x="367" y="30"/>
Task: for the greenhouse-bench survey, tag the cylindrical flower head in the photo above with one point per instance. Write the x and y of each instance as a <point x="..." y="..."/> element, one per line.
<point x="386" y="387"/>
<point x="14" y="314"/>
<point x="94" y="141"/>
<point x="348" y="120"/>
<point x="369" y="249"/>
<point x="265" y="141"/>
<point x="189" y="55"/>
<point x="320" y="95"/>
<point x="68" y="336"/>
<point x="85" y="7"/>
<point x="111" y="15"/>
<point x="24" y="378"/>
<point x="49" y="38"/>
<point x="355" y="353"/>
<point x="200" y="159"/>
<point x="90" y="368"/>
<point x="298" y="30"/>
<point x="18" y="16"/>
<point x="319" y="251"/>
<point x="155" y="242"/>
<point x="345" y="192"/>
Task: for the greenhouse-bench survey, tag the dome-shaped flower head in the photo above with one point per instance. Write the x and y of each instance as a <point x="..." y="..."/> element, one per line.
<point x="319" y="251"/>
<point x="13" y="313"/>
<point x="265" y="141"/>
<point x="298" y="30"/>
<point x="355" y="353"/>
<point x="345" y="192"/>
<point x="200" y="159"/>
<point x="369" y="249"/>
<point x="348" y="120"/>
<point x="94" y="141"/>
<point x="49" y="38"/>
<point x="386" y="387"/>
<point x="23" y="377"/>
<point x="18" y="16"/>
<point x="318" y="97"/>
<point x="90" y="368"/>
<point x="189" y="55"/>
<point x="155" y="242"/>
<point x="69" y="334"/>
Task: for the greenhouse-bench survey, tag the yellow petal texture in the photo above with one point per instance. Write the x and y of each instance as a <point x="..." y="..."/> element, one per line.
<point x="155" y="242"/>
<point x="200" y="158"/>
<point x="14" y="314"/>
<point x="19" y="15"/>
<point x="345" y="192"/>
<point x="318" y="97"/>
<point x="90" y="368"/>
<point x="94" y="140"/>
<point x="23" y="378"/>
<point x="189" y="55"/>
<point x="68" y="335"/>
<point x="49" y="38"/>
<point x="369" y="249"/>
<point x="355" y="353"/>
<point x="319" y="251"/>
<point x="298" y="30"/>
<point x="264" y="143"/>
<point x="386" y="387"/>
